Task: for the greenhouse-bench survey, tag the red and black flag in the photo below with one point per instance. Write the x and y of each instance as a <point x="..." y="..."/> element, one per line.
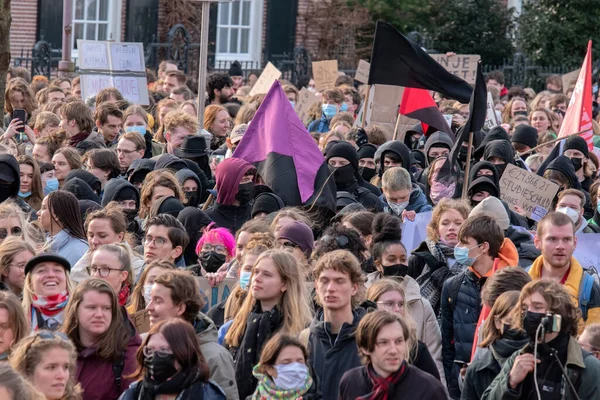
<point x="418" y="104"/>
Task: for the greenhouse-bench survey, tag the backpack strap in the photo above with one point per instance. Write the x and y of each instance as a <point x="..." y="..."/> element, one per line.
<point x="453" y="290"/>
<point x="118" y="367"/>
<point x="585" y="293"/>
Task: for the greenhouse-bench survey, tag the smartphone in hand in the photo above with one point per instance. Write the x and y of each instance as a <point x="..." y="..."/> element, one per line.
<point x="21" y="115"/>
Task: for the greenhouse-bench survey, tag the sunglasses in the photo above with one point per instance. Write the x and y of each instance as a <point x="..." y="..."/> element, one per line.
<point x="47" y="335"/>
<point x="341" y="241"/>
<point x="14" y="231"/>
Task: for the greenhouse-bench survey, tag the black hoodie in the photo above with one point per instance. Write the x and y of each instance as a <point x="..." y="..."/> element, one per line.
<point x="496" y="133"/>
<point x="204" y="179"/>
<point x="9" y="165"/>
<point x="93" y="182"/>
<point x="565" y="165"/>
<point x="141" y="166"/>
<point x="194" y="221"/>
<point x="81" y="190"/>
<point x="169" y="161"/>
<point x="114" y="187"/>
<point x="396" y="147"/>
<point x="183" y="175"/>
<point x="499" y="148"/>
<point x="484" y="165"/>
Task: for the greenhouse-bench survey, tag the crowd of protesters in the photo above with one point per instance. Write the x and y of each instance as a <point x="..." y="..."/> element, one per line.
<point x="110" y="209"/>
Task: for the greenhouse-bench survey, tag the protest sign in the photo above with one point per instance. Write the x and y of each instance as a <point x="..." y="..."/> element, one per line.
<point x="490" y="119"/>
<point x="306" y="99"/>
<point x="386" y="101"/>
<point x="569" y="79"/>
<point x="141" y="321"/>
<point x="269" y="75"/>
<point x="215" y="294"/>
<point x="531" y="192"/>
<point x="414" y="232"/>
<point x="362" y="72"/>
<point x="325" y="74"/>
<point x="448" y="118"/>
<point x="462" y="65"/>
<point x="109" y="64"/>
<point x="585" y="252"/>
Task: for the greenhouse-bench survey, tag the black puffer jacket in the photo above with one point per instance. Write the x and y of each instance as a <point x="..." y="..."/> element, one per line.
<point x="460" y="309"/>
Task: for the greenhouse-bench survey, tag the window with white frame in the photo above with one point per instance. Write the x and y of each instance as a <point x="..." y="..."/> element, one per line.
<point x="96" y="20"/>
<point x="239" y="28"/>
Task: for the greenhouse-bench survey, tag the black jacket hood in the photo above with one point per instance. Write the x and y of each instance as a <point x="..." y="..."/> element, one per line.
<point x="9" y="164"/>
<point x="93" y="182"/>
<point x="169" y="161"/>
<point x="145" y="165"/>
<point x="81" y="190"/>
<point x="484" y="165"/>
<point x="194" y="221"/>
<point x="396" y="147"/>
<point x="565" y="165"/>
<point x="438" y="139"/>
<point x="184" y="174"/>
<point x="500" y="148"/>
<point x="114" y="187"/>
<point x="496" y="133"/>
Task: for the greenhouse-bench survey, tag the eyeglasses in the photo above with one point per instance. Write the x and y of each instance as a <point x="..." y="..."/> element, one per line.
<point x="158" y="242"/>
<point x="126" y="152"/>
<point x="162" y="352"/>
<point x="103" y="272"/>
<point x="341" y="241"/>
<point x="389" y="305"/>
<point x="14" y="231"/>
<point x="218" y="248"/>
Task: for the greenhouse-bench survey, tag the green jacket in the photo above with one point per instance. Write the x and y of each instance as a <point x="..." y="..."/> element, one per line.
<point x="587" y="368"/>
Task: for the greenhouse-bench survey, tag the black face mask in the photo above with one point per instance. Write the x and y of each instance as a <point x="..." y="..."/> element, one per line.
<point x="191" y="198"/>
<point x="5" y="191"/>
<point x="511" y="333"/>
<point x="515" y="113"/>
<point x="474" y="203"/>
<point x="462" y="155"/>
<point x="531" y="321"/>
<point x="211" y="261"/>
<point x="395" y="270"/>
<point x="130" y="214"/>
<point x="500" y="168"/>
<point x="367" y="173"/>
<point x="160" y="367"/>
<point x="258" y="189"/>
<point x="414" y="142"/>
<point x="577" y="163"/>
<point x="344" y="176"/>
<point x="245" y="193"/>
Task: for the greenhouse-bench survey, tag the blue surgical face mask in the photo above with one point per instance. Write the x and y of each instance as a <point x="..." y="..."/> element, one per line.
<point x="25" y="195"/>
<point x="51" y="186"/>
<point x="136" y="128"/>
<point x="291" y="376"/>
<point x="245" y="279"/>
<point x="293" y="103"/>
<point x="329" y="110"/>
<point x="461" y="255"/>
<point x="344" y="107"/>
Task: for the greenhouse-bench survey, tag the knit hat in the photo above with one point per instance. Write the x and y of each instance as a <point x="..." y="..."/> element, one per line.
<point x="525" y="134"/>
<point x="47" y="257"/>
<point x="367" y="151"/>
<point x="483" y="183"/>
<point x="344" y="150"/>
<point x="266" y="203"/>
<point x="299" y="233"/>
<point x="494" y="207"/>
<point x="577" y="143"/>
<point x="235" y="69"/>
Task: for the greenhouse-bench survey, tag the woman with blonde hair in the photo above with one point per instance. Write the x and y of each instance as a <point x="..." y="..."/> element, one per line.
<point x="542" y="99"/>
<point x="47" y="360"/>
<point x="217" y="123"/>
<point x="159" y="183"/>
<point x="14" y="324"/>
<point x="13" y="221"/>
<point x="515" y="106"/>
<point x="329" y="137"/>
<point x="14" y="387"/>
<point x="112" y="263"/>
<point x="14" y="255"/>
<point x="277" y="301"/>
<point x="31" y="190"/>
<point x="190" y="107"/>
<point x="286" y="216"/>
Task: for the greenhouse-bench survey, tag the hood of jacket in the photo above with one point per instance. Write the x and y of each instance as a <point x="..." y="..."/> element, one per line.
<point x="484" y="165"/>
<point x="438" y="139"/>
<point x="205" y="329"/>
<point x="139" y="165"/>
<point x="9" y="164"/>
<point x="565" y="165"/>
<point x="508" y="256"/>
<point x="81" y="190"/>
<point x="194" y="221"/>
<point x="499" y="148"/>
<point x="114" y="187"/>
<point x="184" y="174"/>
<point x="93" y="182"/>
<point x="396" y="147"/>
<point x="496" y="133"/>
<point x="228" y="175"/>
<point x="169" y="161"/>
<point x="412" y="291"/>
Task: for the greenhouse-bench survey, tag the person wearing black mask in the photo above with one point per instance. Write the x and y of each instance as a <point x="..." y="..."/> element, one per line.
<point x="392" y="153"/>
<point x="194" y="222"/>
<point x="500" y="153"/>
<point x="389" y="254"/>
<point x="235" y="192"/>
<point x="343" y="161"/>
<point x="172" y="365"/>
<point x="128" y="198"/>
<point x="576" y="149"/>
<point x="412" y="136"/>
<point x="366" y="161"/>
<point x="535" y="372"/>
<point x="191" y="185"/>
<point x="10" y="182"/>
<point x="524" y="138"/>
<point x="482" y="188"/>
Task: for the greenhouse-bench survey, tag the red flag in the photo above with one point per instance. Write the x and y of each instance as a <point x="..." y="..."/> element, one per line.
<point x="579" y="114"/>
<point x="418" y="104"/>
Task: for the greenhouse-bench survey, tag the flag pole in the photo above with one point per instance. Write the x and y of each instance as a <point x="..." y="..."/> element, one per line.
<point x="558" y="139"/>
<point x="397" y="124"/>
<point x="467" y="168"/>
<point x="365" y="108"/>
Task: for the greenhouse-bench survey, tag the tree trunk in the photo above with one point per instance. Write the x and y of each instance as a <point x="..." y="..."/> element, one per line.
<point x="5" y="20"/>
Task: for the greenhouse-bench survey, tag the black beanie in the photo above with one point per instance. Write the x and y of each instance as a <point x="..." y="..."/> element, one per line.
<point x="525" y="134"/>
<point x="344" y="150"/>
<point x="483" y="183"/>
<point x="267" y="203"/>
<point x="127" y="193"/>
<point x="367" y="151"/>
<point x="577" y="143"/>
<point x="235" y="69"/>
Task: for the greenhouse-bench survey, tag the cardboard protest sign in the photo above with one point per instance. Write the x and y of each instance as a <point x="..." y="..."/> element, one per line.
<point x="462" y="65"/>
<point x="269" y="75"/>
<point x="110" y="64"/>
<point x="306" y="99"/>
<point x="141" y="321"/>
<point x="386" y="101"/>
<point x="215" y="294"/>
<point x="569" y="79"/>
<point x="362" y="71"/>
<point x="527" y="190"/>
<point x="491" y="119"/>
<point x="414" y="232"/>
<point x="585" y="252"/>
<point x="325" y="74"/>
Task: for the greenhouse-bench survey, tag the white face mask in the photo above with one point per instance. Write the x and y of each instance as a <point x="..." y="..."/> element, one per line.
<point x="147" y="296"/>
<point x="291" y="376"/>
<point x="397" y="208"/>
<point x="574" y="215"/>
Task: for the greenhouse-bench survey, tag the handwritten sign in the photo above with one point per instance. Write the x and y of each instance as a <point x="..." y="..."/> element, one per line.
<point x="131" y="87"/>
<point x="362" y="71"/>
<point x="386" y="101"/>
<point x="269" y="75"/>
<point x="93" y="55"/>
<point x="127" y="57"/>
<point x="306" y="99"/>
<point x="141" y="320"/>
<point x="490" y="119"/>
<point x="585" y="252"/>
<point x="214" y="295"/>
<point x="325" y="74"/>
<point x="462" y="65"/>
<point x="519" y="187"/>
<point x="94" y="83"/>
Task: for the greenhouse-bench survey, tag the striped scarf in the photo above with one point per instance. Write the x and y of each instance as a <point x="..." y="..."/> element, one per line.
<point x="266" y="389"/>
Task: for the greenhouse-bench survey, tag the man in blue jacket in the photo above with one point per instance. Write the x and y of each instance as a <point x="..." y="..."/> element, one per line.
<point x="401" y="197"/>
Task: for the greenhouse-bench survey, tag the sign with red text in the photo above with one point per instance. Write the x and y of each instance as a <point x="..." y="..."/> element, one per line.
<point x="462" y="65"/>
<point x="109" y="64"/>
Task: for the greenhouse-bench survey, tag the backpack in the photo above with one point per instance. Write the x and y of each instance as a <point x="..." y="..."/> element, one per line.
<point x="117" y="367"/>
<point x="585" y="293"/>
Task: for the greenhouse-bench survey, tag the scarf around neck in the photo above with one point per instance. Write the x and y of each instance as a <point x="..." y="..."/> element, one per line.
<point x="381" y="386"/>
<point x="267" y="390"/>
<point x="179" y="382"/>
<point x="50" y="305"/>
<point x="123" y="295"/>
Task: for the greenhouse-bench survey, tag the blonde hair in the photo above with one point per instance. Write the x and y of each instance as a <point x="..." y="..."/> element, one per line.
<point x="28" y="292"/>
<point x="293" y="213"/>
<point x="178" y="118"/>
<point x="9" y="248"/>
<point x="502" y="308"/>
<point x="159" y="136"/>
<point x="10" y="209"/>
<point x="16" y="317"/>
<point x="124" y="255"/>
<point x="46" y="118"/>
<point x="294" y="305"/>
<point x="29" y="353"/>
<point x="444" y="205"/>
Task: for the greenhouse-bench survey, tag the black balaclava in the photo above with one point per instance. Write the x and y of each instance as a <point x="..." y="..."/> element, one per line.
<point x="344" y="176"/>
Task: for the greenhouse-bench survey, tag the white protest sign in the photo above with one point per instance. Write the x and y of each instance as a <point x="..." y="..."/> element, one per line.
<point x="585" y="252"/>
<point x="414" y="232"/>
<point x="462" y="65"/>
<point x="325" y="73"/>
<point x="448" y="118"/>
<point x="92" y="84"/>
<point x="490" y="119"/>
<point x="519" y="187"/>
<point x="215" y="294"/>
<point x="127" y="57"/>
<point x="306" y="99"/>
<point x="93" y="55"/>
<point x="269" y="75"/>
<point x="362" y="71"/>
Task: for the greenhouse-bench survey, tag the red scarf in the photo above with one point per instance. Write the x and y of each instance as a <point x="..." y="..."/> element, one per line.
<point x="123" y="295"/>
<point x="80" y="137"/>
<point x="50" y="305"/>
<point x="381" y="386"/>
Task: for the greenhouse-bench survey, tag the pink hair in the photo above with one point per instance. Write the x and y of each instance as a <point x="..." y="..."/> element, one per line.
<point x="212" y="234"/>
